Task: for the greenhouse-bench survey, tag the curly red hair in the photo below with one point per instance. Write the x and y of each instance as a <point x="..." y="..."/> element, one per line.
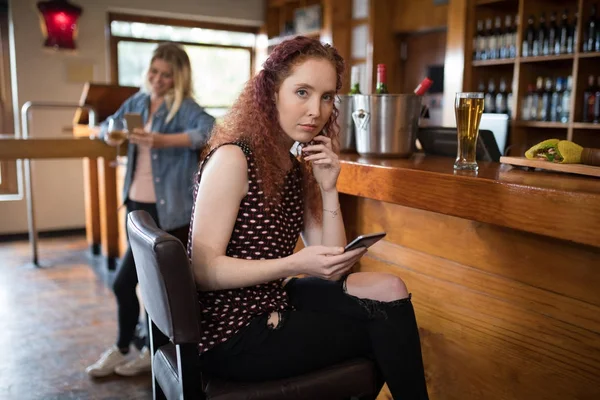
<point x="253" y="118"/>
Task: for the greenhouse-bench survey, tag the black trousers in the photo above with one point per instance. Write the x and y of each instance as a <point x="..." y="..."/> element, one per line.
<point x="126" y="280"/>
<point x="328" y="326"/>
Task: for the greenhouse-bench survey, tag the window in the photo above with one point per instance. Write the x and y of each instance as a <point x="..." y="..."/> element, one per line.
<point x="221" y="56"/>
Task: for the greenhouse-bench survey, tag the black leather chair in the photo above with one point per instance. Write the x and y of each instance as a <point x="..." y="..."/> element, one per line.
<point x="169" y="294"/>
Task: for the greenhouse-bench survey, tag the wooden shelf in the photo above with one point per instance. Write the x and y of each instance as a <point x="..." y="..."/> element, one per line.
<point x="560" y="57"/>
<point x="540" y="124"/>
<point x="589" y="55"/>
<point x="488" y="2"/>
<point x="586" y="125"/>
<point x="489" y="63"/>
<point x="278" y="39"/>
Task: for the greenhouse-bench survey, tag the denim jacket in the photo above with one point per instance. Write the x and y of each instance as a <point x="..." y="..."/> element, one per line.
<point x="173" y="168"/>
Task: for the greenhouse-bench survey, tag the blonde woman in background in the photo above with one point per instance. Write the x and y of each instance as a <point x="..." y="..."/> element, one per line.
<point x="162" y="160"/>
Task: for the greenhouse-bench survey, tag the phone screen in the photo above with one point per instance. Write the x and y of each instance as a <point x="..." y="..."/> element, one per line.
<point x="365" y="241"/>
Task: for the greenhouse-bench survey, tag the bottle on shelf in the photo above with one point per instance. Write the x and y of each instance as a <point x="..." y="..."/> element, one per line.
<point x="563" y="34"/>
<point x="355" y="80"/>
<point x="590" y="33"/>
<point x="597" y="103"/>
<point x="553" y="36"/>
<point x="566" y="101"/>
<point x="546" y="100"/>
<point x="589" y="100"/>
<point x="527" y="108"/>
<point x="481" y="87"/>
<point x="513" y="43"/>
<point x="381" y="87"/>
<point x="501" y="100"/>
<point x="478" y="42"/>
<point x="490" y="98"/>
<point x="499" y="39"/>
<point x="529" y="38"/>
<point x="536" y="111"/>
<point x="573" y="35"/>
<point x="556" y="102"/>
<point x="506" y="38"/>
<point x="490" y="40"/>
<point x="542" y="38"/>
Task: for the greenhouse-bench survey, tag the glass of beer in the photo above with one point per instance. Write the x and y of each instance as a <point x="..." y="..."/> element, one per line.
<point x="117" y="132"/>
<point x="468" y="108"/>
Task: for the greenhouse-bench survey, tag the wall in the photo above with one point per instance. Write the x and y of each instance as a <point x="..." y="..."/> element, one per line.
<point x="41" y="76"/>
<point x="419" y="15"/>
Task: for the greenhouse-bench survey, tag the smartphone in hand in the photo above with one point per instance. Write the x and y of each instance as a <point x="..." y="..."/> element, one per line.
<point x="365" y="241"/>
<point x="134" y="121"/>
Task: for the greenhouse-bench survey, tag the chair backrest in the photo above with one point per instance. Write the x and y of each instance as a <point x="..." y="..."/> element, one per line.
<point x="166" y="279"/>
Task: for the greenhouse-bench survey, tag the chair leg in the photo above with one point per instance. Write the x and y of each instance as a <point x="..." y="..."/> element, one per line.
<point x="188" y="363"/>
<point x="157" y="392"/>
<point x="157" y="339"/>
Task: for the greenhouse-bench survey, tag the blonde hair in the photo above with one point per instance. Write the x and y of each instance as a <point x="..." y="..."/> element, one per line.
<point x="179" y="61"/>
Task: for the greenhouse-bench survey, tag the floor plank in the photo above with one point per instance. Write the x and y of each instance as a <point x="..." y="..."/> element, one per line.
<point x="55" y="321"/>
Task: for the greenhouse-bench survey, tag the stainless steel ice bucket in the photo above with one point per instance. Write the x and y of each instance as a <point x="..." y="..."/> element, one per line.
<point x="386" y="125"/>
<point x="345" y="106"/>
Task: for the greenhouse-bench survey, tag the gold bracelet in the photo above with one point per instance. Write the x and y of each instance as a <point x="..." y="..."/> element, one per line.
<point x="334" y="213"/>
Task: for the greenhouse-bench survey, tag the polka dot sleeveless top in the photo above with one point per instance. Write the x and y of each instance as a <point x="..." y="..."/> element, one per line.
<point x="258" y="234"/>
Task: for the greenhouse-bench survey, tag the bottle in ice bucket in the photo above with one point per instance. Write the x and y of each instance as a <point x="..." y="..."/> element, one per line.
<point x="355" y="80"/>
<point x="381" y="87"/>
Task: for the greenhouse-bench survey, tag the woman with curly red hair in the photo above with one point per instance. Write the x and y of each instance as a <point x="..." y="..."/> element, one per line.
<point x="253" y="199"/>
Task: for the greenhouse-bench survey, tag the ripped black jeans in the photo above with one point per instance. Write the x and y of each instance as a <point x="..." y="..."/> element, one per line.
<point x="328" y="326"/>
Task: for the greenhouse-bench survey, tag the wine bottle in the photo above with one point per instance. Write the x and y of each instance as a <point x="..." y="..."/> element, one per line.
<point x="527" y="108"/>
<point x="381" y="87"/>
<point x="355" y="80"/>
<point x="572" y="40"/>
<point x="478" y="42"/>
<point x="563" y="33"/>
<point x="553" y="36"/>
<point x="490" y="40"/>
<point x="556" y="106"/>
<point x="536" y="111"/>
<point x="499" y="39"/>
<point x="597" y="103"/>
<point x="513" y="41"/>
<point x="530" y="38"/>
<point x="566" y="101"/>
<point x="501" y="98"/>
<point x="589" y="100"/>
<point x="542" y="38"/>
<point x="490" y="98"/>
<point x="589" y="44"/>
<point x="507" y="41"/>
<point x="423" y="87"/>
<point x="546" y="100"/>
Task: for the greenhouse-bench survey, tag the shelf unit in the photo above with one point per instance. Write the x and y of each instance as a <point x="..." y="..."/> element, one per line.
<point x="524" y="70"/>
<point x="280" y="21"/>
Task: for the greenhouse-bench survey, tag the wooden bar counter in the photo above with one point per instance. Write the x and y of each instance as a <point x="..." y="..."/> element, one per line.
<point x="504" y="268"/>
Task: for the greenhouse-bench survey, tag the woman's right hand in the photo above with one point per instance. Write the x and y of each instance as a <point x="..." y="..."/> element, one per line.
<point x="326" y="262"/>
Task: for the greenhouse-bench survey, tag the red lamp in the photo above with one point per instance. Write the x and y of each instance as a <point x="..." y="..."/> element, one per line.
<point x="58" y="21"/>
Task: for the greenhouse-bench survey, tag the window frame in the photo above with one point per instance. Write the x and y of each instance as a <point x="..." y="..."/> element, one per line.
<point x="115" y="39"/>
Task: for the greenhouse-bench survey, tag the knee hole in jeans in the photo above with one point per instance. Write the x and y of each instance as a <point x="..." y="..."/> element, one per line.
<point x="275" y="320"/>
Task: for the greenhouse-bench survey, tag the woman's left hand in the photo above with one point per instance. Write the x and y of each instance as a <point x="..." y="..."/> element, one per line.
<point x="145" y="138"/>
<point x="325" y="162"/>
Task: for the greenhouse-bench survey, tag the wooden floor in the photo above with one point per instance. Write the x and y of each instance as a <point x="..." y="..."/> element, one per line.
<point x="54" y="322"/>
